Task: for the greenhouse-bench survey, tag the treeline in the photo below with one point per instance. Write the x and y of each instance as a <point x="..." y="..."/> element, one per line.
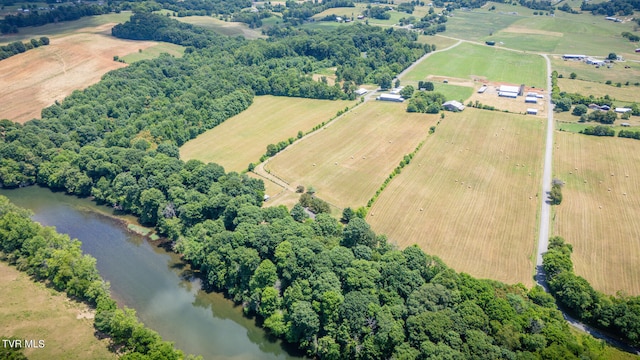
<point x="426" y="102"/>
<point x="209" y="7"/>
<point x="611" y="8"/>
<point x="599" y="130"/>
<point x="57" y="260"/>
<point x="18" y="47"/>
<point x="11" y="23"/>
<point x="618" y="315"/>
<point x="149" y="26"/>
<point x="296" y="13"/>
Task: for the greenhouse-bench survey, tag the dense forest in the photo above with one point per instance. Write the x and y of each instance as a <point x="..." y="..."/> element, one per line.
<point x="336" y="291"/>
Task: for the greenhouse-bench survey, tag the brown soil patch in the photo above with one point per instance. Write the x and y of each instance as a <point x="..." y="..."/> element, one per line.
<point x="34" y="80"/>
<point x="523" y="30"/>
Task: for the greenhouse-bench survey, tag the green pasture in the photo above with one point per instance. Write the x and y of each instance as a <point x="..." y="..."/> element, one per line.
<point x="478" y="24"/>
<point x="467" y="60"/>
<point x="154" y="51"/>
<point x="616" y="74"/>
<point x="63" y="28"/>
<point x="440" y="42"/>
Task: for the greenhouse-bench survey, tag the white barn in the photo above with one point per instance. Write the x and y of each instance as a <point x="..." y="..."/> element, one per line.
<point x="531" y="99"/>
<point x="390" y="97"/>
<point x="361" y="91"/>
<point x="453" y="105"/>
<point x="531" y="111"/>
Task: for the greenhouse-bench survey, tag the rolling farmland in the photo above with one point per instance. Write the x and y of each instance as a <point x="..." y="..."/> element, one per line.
<point x="349" y="160"/>
<point x="625" y="93"/>
<point x="470" y="61"/>
<point x="74" y="60"/>
<point x="470" y="195"/>
<point x="603" y="226"/>
<point x="244" y="138"/>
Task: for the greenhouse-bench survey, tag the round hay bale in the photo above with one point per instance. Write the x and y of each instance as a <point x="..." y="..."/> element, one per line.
<point x="335" y="163"/>
<point x="421" y="209"/>
<point x="609" y="189"/>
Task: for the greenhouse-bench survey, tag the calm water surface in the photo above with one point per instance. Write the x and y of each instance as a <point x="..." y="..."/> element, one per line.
<point x="155" y="282"/>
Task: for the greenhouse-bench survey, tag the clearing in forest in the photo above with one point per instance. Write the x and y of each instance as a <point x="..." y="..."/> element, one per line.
<point x="600" y="211"/>
<point x="347" y="161"/>
<point x="242" y="139"/>
<point x="72" y="61"/>
<point x="471" y="195"/>
<point x="34" y="312"/>
<point x="222" y="27"/>
<point x="471" y="61"/>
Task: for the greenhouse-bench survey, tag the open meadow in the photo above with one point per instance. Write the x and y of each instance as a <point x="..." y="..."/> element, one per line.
<point x="625" y="93"/>
<point x="74" y="60"/>
<point x="590" y="73"/>
<point x="154" y="51"/>
<point x="32" y="311"/>
<point x="471" y="195"/>
<point x="348" y="161"/>
<point x="478" y="62"/>
<point x="600" y="210"/>
<point x="222" y="27"/>
<point x="517" y="27"/>
<point x="242" y="139"/>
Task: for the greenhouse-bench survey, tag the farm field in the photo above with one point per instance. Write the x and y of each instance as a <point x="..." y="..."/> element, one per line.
<point x="32" y="311"/>
<point x="155" y="51"/>
<point x="268" y="120"/>
<point x="471" y="195"/>
<point x="73" y="61"/>
<point x="67" y="27"/>
<point x="349" y="160"/>
<point x="441" y="42"/>
<point x="517" y="27"/>
<point x="625" y="93"/>
<point x="590" y="73"/>
<point x="222" y="27"/>
<point x="470" y="61"/>
<point x="601" y="225"/>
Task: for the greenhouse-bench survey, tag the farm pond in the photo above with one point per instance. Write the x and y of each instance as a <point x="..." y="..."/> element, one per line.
<point x="162" y="289"/>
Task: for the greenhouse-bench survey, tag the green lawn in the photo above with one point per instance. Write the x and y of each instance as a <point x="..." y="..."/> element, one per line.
<point x="155" y="51"/>
<point x="467" y="60"/>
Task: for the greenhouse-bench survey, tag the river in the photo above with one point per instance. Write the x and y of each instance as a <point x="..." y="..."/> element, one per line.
<point x="156" y="283"/>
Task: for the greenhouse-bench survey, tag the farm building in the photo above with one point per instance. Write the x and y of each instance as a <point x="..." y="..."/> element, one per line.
<point x="453" y="105"/>
<point x="508" y="94"/>
<point x="592" y="61"/>
<point x="361" y="91"/>
<point x="622" y="110"/>
<point x="625" y="124"/>
<point x="531" y="99"/>
<point x="390" y="97"/>
<point x="573" y="57"/>
<point x="532" y="111"/>
<point x="396" y="91"/>
<point x="508" y="88"/>
<point x="482" y="89"/>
